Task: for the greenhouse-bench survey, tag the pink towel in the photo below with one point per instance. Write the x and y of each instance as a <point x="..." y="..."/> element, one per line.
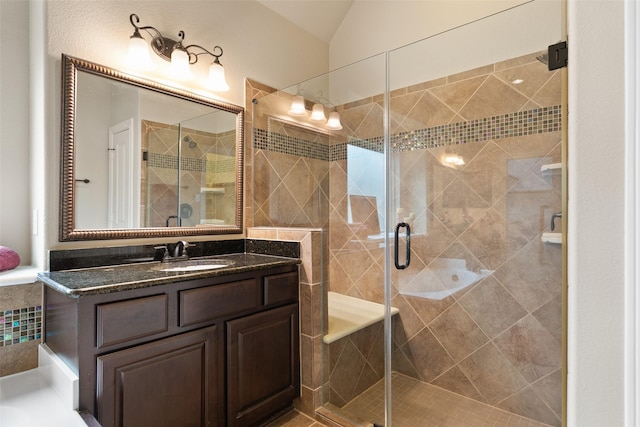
<point x="8" y="258"/>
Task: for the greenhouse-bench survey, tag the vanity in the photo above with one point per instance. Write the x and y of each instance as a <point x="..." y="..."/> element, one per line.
<point x="209" y="341"/>
<point x="156" y="344"/>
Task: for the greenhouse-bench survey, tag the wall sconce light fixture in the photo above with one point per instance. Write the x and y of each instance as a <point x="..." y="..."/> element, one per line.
<point x="173" y="51"/>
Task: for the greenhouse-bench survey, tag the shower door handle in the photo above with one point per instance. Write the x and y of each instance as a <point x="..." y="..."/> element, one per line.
<point x="407" y="249"/>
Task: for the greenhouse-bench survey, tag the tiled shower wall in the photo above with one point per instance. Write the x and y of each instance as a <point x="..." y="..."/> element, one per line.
<point x="497" y="340"/>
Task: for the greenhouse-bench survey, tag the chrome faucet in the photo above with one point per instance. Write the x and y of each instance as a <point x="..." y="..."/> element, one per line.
<point x="180" y="250"/>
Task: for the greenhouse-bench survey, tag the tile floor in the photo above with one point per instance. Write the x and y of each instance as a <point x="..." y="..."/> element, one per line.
<point x="417" y="404"/>
<point x="294" y="419"/>
<point x="21" y="393"/>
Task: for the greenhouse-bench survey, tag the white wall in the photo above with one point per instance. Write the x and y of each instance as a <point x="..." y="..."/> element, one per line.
<point x="374" y="26"/>
<point x="15" y="207"/>
<point x="257" y="43"/>
<point x="596" y="213"/>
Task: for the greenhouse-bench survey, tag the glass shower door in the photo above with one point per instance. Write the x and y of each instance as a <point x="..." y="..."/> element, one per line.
<point x="475" y="154"/>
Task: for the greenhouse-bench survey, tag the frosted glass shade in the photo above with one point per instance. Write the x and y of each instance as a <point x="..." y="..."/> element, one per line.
<point x="317" y="113"/>
<point x="179" y="67"/>
<point x="216" y="80"/>
<point x="297" y="106"/>
<point x="138" y="56"/>
<point x="334" y="121"/>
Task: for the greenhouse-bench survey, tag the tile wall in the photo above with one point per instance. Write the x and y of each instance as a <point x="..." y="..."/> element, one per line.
<point x="312" y="300"/>
<point x="488" y="326"/>
<point x="20" y="327"/>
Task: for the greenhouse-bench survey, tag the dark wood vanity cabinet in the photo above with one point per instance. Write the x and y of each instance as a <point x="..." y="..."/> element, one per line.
<point x="262" y="364"/>
<point x="221" y="351"/>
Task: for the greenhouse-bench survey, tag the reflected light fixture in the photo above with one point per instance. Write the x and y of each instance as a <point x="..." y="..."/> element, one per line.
<point x="173" y="51"/>
<point x="334" y="121"/>
<point x="317" y="113"/>
<point x="453" y="160"/>
<point x="297" y="106"/>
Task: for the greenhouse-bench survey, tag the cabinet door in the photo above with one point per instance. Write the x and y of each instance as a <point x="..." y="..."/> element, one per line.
<point x="176" y="381"/>
<point x="263" y="365"/>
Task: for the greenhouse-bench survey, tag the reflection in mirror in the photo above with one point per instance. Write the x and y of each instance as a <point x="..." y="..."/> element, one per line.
<point x="145" y="160"/>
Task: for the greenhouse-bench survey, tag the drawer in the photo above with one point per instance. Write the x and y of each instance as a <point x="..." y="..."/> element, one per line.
<point x="280" y="288"/>
<point x="218" y="301"/>
<point x="122" y="321"/>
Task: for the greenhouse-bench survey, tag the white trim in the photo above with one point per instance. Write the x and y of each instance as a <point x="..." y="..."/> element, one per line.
<point x="632" y="212"/>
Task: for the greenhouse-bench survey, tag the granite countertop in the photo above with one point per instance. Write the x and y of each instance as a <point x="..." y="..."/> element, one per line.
<point x="114" y="278"/>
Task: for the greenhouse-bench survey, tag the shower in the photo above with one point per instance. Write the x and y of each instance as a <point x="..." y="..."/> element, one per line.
<point x="192" y="143"/>
<point x="463" y="329"/>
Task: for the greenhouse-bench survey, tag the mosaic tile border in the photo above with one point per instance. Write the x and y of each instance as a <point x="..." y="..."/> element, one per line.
<point x="169" y="161"/>
<point x="520" y="123"/>
<point x="286" y="144"/>
<point x="20" y="325"/>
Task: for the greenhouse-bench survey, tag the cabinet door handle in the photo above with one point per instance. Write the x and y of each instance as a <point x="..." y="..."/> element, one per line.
<point x="407" y="249"/>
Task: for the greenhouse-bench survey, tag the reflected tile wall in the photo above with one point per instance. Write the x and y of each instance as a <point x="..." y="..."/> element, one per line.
<point x="202" y="166"/>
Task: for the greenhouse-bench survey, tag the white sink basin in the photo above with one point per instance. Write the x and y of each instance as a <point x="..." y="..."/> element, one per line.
<point x="193" y="265"/>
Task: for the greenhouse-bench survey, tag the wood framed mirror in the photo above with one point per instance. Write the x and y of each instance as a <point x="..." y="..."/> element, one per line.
<point x="141" y="159"/>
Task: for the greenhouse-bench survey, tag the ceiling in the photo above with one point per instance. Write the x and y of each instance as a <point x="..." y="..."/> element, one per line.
<point x="319" y="17"/>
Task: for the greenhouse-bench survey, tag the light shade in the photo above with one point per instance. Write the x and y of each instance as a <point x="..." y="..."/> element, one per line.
<point x="297" y="106"/>
<point x="334" y="121"/>
<point x="317" y="113"/>
<point x="138" y="56"/>
<point x="216" y="80"/>
<point x="180" y="64"/>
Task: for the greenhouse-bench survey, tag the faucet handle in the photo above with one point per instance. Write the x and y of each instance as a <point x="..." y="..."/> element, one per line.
<point x="186" y="245"/>
<point x="165" y="252"/>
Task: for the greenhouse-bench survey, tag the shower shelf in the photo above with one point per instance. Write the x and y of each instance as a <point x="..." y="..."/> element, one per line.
<point x="212" y="190"/>
<point x="551" y="168"/>
<point x="552" y="238"/>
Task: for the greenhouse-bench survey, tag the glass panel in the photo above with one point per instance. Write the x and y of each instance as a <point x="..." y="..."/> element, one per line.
<point x="475" y="138"/>
<point x="307" y="175"/>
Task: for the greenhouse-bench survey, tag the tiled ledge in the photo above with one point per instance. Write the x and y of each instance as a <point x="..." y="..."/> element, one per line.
<point x="19" y="276"/>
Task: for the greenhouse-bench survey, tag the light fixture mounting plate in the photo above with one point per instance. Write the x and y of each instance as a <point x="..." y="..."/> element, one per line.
<point x="163" y="46"/>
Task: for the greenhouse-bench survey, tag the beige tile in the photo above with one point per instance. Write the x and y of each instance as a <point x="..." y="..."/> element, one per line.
<point x="550" y="316"/>
<point x="427" y="355"/>
<point x="454" y="380"/>
<point x="493" y="376"/>
<point x="530" y="348"/>
<point x="534" y="275"/>
<point x="492" y="307"/>
<point x="485" y="103"/>
<point x="456" y="95"/>
<point x="20" y="357"/>
<point x="527" y="403"/>
<point x="549" y="389"/>
<point x="457" y="333"/>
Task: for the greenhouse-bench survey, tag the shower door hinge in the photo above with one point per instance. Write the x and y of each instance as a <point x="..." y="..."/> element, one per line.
<point x="557" y="55"/>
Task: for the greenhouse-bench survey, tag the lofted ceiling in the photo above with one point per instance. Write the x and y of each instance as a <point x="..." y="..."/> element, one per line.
<point x="319" y="17"/>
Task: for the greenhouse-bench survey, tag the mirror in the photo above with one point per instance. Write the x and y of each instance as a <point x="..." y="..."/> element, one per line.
<point x="140" y="159"/>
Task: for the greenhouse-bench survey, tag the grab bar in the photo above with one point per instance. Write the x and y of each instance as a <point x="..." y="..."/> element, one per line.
<point x="408" y="246"/>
